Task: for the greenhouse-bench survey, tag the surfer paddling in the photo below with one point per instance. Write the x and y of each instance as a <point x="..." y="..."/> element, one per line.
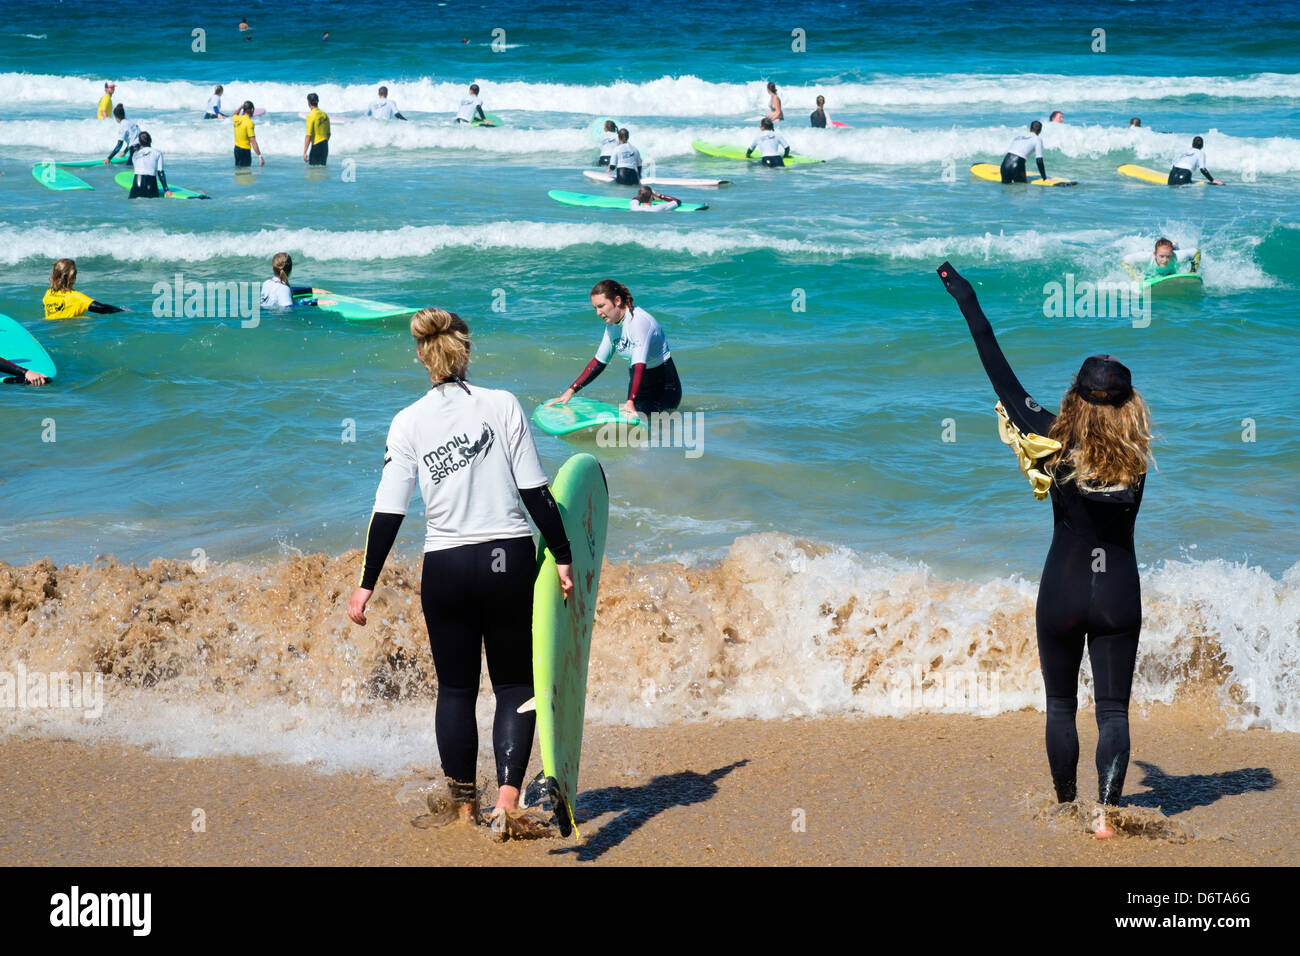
<point x="1181" y="172"/>
<point x="470" y="451"/>
<point x="1092" y="459"/>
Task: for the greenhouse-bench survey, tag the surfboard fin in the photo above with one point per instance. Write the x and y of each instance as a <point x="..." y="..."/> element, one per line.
<point x="527" y="706"/>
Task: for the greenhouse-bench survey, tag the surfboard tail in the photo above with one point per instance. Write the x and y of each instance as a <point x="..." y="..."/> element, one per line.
<point x="563" y="812"/>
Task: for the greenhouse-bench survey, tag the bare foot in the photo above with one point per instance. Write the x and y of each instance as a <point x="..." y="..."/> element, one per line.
<point x="1102" y="830"/>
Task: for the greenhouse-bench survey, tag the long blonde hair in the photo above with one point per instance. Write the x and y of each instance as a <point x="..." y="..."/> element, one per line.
<point x="442" y="343"/>
<point x="63" y="276"/>
<point x="281" y="266"/>
<point x="1103" y="446"/>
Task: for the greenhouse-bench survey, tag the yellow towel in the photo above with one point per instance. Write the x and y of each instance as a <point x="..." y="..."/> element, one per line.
<point x="1029" y="449"/>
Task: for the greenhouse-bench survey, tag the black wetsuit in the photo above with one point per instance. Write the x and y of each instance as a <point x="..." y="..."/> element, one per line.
<point x="478" y="599"/>
<point x="1089" y="587"/>
<point x="11" y="373"/>
<point x="818" y="118"/>
<point x="657" y="389"/>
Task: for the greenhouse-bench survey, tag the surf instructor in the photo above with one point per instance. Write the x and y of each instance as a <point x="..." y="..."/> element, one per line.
<point x="469" y="450"/>
<point x="316" y="145"/>
<point x="653" y="385"/>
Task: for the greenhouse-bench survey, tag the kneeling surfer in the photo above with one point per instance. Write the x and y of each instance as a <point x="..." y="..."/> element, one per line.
<point x="653" y="385"/>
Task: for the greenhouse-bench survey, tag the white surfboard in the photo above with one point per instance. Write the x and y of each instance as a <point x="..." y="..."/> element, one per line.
<point x="658" y="180"/>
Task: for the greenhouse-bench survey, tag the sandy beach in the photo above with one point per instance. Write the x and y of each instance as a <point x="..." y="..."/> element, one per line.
<point x="925" y="790"/>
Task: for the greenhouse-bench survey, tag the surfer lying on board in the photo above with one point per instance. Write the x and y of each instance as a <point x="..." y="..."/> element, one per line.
<point x="1092" y="459"/>
<point x="470" y="451"/>
<point x="770" y="143"/>
<point x="645" y="198"/>
<point x="8" y="369"/>
<point x="62" y="301"/>
<point x="625" y="161"/>
<point x="653" y="385"/>
<point x="1013" y="163"/>
<point x="1192" y="159"/>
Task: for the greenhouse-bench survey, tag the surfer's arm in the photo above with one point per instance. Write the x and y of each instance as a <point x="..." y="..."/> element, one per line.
<point x="162" y="179"/>
<point x="1024" y="412"/>
<point x="594" y="368"/>
<point x="1042" y="171"/>
<point x="102" y="308"/>
<point x="398" y="116"/>
<point x="116" y="146"/>
<point x="9" y="368"/>
<point x="546" y="515"/>
<point x="634" y="387"/>
<point x="379" y="541"/>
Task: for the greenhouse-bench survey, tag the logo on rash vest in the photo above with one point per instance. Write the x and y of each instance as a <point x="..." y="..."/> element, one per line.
<point x="457" y="453"/>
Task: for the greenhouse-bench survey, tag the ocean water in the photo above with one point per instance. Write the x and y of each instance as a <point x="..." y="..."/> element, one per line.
<point x="837" y="397"/>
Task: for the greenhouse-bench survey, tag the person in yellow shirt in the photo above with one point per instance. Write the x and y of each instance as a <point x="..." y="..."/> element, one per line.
<point x="316" y="145"/>
<point x="106" y="101"/>
<point x="245" y="141"/>
<point x="64" y="302"/>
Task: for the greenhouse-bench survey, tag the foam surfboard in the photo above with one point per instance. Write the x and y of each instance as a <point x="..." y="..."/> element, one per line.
<point x="580" y="413"/>
<point x="75" y="163"/>
<point x="1177" y="284"/>
<point x="613" y="202"/>
<point x="838" y="125"/>
<point x="993" y="174"/>
<point x="18" y="346"/>
<point x="54" y="177"/>
<point x="126" y="178"/>
<point x="489" y="120"/>
<point x="352" y="308"/>
<point x="659" y="180"/>
<point x="1150" y="175"/>
<point x="725" y="151"/>
<point x="562" y="632"/>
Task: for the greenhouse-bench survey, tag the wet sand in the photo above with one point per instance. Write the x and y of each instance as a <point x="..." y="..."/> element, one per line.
<point x="925" y="790"/>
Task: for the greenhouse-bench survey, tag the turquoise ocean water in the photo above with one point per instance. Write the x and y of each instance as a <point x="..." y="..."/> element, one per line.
<point x="839" y="396"/>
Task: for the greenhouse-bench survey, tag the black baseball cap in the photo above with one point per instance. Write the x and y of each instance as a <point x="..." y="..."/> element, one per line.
<point x="1103" y="380"/>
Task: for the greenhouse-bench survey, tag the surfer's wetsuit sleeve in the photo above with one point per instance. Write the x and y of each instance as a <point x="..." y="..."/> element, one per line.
<point x="594" y="368"/>
<point x="1042" y="170"/>
<point x="634" y="386"/>
<point x="9" y="368"/>
<point x="102" y="308"/>
<point x="1025" y="413"/>
<point x="379" y="541"/>
<point x="546" y="515"/>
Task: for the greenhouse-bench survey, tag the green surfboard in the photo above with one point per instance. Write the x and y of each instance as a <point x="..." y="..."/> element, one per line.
<point x="580" y="413"/>
<point x="726" y="151"/>
<point x="126" y="178"/>
<point x="352" y="308"/>
<point x="562" y="631"/>
<point x="489" y="119"/>
<point x="117" y="161"/>
<point x="18" y="346"/>
<point x="1176" y="284"/>
<point x="52" y="176"/>
<point x="613" y="202"/>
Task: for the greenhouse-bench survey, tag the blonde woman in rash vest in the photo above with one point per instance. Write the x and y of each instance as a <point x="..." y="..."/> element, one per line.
<point x="469" y="451"/>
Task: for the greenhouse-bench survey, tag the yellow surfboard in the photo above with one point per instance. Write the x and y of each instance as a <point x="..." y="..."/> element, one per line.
<point x="994" y="175"/>
<point x="1148" y="175"/>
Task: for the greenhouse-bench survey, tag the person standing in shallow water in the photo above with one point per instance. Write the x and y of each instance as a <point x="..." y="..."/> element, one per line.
<point x="1094" y="460"/>
<point x="470" y="452"/>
